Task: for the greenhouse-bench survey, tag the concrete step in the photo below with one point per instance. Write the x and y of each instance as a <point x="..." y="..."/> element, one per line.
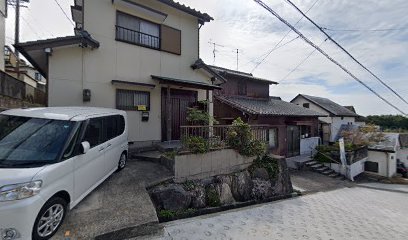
<point x="152" y="156"/>
<point x="328" y="172"/>
<point x="334" y="175"/>
<point x="316" y="166"/>
<point x="310" y="163"/>
<point x="322" y="169"/>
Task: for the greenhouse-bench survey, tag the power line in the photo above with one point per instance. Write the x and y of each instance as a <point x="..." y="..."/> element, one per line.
<point x="301" y="63"/>
<point x="364" y="30"/>
<point x="349" y="54"/>
<point x="63" y="11"/>
<point x="283" y="38"/>
<point x="326" y="55"/>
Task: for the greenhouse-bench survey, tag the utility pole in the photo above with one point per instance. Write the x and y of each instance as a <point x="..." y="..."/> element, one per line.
<point x="17" y="37"/>
<point x="237" y="58"/>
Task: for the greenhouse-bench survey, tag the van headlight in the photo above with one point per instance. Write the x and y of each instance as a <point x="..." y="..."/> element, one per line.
<point x="19" y="191"/>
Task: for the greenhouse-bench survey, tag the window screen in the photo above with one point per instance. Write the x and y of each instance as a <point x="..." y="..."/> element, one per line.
<point x="131" y="100"/>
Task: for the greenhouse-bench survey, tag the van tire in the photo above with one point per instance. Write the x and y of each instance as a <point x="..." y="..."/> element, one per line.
<point x="54" y="203"/>
<point x="122" y="162"/>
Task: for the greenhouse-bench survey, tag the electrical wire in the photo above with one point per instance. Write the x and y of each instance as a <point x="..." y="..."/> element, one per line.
<point x="261" y="3"/>
<point x="63" y="11"/>
<point x="283" y="38"/>
<point x="348" y="53"/>
<point x="364" y="30"/>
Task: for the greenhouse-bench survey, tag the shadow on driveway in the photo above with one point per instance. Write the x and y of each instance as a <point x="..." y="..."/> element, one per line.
<point x="120" y="202"/>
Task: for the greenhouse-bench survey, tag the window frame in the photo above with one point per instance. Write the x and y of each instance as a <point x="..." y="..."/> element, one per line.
<point x="133" y="108"/>
<point x="276" y="138"/>
<point x="136" y="43"/>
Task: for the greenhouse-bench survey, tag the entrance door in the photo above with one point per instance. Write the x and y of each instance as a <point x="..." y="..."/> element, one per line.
<point x="293" y="141"/>
<point x="180" y="101"/>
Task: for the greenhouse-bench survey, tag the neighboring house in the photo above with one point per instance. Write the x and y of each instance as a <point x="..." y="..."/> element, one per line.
<point x="131" y="55"/>
<point x="360" y="120"/>
<point x="336" y="115"/>
<point x="292" y="129"/>
<point x="3" y="16"/>
<point x="28" y="74"/>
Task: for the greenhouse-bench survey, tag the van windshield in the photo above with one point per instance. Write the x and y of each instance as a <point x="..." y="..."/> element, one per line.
<point x="31" y="142"/>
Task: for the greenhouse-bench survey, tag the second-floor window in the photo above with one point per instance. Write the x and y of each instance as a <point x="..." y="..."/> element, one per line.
<point x="38" y="76"/>
<point x="134" y="30"/>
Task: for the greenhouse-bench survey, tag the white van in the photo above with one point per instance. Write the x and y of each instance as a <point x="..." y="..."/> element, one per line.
<point x="50" y="159"/>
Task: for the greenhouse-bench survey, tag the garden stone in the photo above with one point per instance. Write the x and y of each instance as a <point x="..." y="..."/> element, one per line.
<point x="171" y="197"/>
<point x="283" y="183"/>
<point x="224" y="191"/>
<point x="260" y="173"/>
<point x="198" y="197"/>
<point x="224" y="179"/>
<point x="262" y="189"/>
<point x="212" y="196"/>
<point x="242" y="186"/>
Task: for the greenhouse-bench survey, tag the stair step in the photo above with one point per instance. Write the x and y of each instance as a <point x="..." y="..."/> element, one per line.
<point x="328" y="172"/>
<point x="334" y="175"/>
<point x="319" y="165"/>
<point x="322" y="169"/>
<point x="311" y="163"/>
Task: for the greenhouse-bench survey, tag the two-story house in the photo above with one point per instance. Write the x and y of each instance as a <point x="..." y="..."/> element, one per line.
<point x="293" y="130"/>
<point x="336" y="115"/>
<point x="134" y="55"/>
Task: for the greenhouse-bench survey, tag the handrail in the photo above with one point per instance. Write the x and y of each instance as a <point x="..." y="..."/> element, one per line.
<point x="132" y="30"/>
<point x="328" y="157"/>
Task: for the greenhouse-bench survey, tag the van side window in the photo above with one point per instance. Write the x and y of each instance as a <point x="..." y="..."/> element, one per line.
<point x="94" y="132"/>
<point x="70" y="151"/>
<point x="115" y="126"/>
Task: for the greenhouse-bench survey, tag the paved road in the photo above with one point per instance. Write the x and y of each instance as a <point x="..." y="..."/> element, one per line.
<point x="348" y="213"/>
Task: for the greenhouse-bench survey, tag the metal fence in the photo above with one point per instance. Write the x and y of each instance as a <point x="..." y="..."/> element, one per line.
<point x="217" y="135"/>
<point x="17" y="89"/>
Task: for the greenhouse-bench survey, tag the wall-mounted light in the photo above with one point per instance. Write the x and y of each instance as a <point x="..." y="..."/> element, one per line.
<point x="48" y="51"/>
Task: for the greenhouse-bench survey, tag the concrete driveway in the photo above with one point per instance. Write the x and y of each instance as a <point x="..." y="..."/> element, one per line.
<point x="120" y="202"/>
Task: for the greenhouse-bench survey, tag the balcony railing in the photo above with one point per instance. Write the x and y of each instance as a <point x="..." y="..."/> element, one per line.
<point x="17" y="89"/>
<point x="217" y="135"/>
<point x="135" y="37"/>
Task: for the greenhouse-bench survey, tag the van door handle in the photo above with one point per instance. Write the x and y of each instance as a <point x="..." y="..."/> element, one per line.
<point x="101" y="149"/>
<point x="109" y="145"/>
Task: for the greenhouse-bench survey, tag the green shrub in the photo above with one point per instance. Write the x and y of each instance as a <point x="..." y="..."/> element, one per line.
<point x="213" y="200"/>
<point x="196" y="144"/>
<point x="269" y="163"/>
<point x="166" y="213"/>
<point x="240" y="138"/>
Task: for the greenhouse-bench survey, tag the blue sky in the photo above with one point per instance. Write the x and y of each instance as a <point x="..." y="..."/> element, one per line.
<point x="244" y="25"/>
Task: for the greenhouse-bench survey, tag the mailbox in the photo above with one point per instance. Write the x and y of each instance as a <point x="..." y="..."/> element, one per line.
<point x="145" y="116"/>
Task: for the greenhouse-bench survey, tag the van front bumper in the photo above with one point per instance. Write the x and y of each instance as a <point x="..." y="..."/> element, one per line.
<point x="18" y="217"/>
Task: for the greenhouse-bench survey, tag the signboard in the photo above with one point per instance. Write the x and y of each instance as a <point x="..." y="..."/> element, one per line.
<point x="141" y="108"/>
<point x="344" y="168"/>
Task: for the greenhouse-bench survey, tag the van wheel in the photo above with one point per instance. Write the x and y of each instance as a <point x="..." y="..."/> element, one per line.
<point x="49" y="219"/>
<point x="122" y="162"/>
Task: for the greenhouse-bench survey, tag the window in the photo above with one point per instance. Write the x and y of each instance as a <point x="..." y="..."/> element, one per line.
<point x="371" y="167"/>
<point x="242" y="87"/>
<point x="305" y="131"/>
<point x="94" y="132"/>
<point x="38" y="76"/>
<point x="306" y="105"/>
<point x="71" y="148"/>
<point x="132" y="100"/>
<point x="273" y="138"/>
<point x="134" y="30"/>
<point x="114" y="125"/>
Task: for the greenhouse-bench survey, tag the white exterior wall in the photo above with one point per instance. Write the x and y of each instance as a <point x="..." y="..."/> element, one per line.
<point x="73" y="69"/>
<point x="387" y="163"/>
<point x="336" y="125"/>
<point x="335" y="122"/>
<point x="2" y="32"/>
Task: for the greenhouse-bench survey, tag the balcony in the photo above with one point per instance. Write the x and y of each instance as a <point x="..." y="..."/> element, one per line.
<point x="138" y="38"/>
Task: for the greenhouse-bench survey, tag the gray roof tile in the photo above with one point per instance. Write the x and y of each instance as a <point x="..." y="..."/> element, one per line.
<point x="330" y="106"/>
<point x="268" y="107"/>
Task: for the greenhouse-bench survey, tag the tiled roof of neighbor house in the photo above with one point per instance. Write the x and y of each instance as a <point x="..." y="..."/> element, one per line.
<point x="268" y="107"/>
<point x="359" y="118"/>
<point x="199" y="63"/>
<point x="248" y="76"/>
<point x="202" y="16"/>
<point x="389" y="144"/>
<point x="330" y="106"/>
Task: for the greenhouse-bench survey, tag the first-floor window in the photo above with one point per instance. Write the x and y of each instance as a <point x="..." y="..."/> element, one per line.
<point x="132" y="100"/>
<point x="273" y="138"/>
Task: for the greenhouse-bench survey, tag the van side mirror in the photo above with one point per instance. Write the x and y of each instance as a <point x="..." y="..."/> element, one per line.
<point x="85" y="146"/>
